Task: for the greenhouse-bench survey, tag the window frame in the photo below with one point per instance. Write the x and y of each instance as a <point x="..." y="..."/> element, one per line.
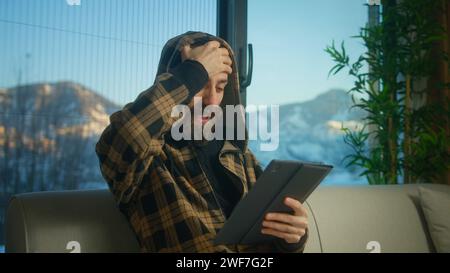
<point x="232" y="27"/>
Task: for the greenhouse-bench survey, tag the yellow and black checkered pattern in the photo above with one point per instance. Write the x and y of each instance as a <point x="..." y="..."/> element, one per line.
<point x="160" y="186"/>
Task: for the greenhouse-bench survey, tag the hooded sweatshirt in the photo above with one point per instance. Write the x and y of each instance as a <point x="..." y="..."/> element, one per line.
<point x="172" y="199"/>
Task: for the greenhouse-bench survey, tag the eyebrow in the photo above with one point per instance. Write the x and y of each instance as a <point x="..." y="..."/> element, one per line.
<point x="223" y="81"/>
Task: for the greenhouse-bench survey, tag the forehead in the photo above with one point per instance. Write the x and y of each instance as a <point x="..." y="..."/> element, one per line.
<point x="220" y="77"/>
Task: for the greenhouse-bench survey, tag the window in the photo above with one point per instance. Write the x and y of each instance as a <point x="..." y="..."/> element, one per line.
<point x="66" y="66"/>
<point x="291" y="69"/>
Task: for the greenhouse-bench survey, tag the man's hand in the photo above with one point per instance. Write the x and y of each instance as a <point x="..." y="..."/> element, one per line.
<point x="286" y="226"/>
<point x="214" y="58"/>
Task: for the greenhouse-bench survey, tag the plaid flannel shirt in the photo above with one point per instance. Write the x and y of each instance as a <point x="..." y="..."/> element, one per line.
<point x="173" y="209"/>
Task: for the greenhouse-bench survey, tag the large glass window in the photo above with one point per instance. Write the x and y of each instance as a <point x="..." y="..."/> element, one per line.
<point x="66" y="65"/>
<point x="291" y="70"/>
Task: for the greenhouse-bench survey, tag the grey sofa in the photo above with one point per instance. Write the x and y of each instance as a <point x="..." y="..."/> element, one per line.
<point x="342" y="219"/>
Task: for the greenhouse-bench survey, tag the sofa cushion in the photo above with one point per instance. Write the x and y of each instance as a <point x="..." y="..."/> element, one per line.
<point x="436" y="207"/>
<point x="67" y="221"/>
<point x="381" y="218"/>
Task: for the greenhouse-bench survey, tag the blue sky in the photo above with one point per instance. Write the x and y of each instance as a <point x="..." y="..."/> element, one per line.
<point x="113" y="46"/>
<point x="289" y="41"/>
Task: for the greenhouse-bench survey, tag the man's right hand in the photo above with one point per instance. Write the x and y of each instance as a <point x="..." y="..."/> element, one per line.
<point x="213" y="58"/>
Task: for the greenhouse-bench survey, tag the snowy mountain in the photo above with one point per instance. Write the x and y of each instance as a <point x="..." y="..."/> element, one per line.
<point x="48" y="133"/>
<point x="311" y="131"/>
<point x="68" y="101"/>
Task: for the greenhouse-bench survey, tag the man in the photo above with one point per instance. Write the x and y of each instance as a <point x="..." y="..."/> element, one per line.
<point x="178" y="194"/>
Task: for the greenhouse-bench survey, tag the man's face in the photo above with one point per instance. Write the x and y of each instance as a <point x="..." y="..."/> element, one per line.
<point x="211" y="94"/>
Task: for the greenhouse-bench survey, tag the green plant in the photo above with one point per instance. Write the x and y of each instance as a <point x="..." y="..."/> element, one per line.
<point x="398" y="139"/>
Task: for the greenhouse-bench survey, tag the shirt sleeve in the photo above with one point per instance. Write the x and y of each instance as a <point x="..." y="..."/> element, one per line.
<point x="134" y="136"/>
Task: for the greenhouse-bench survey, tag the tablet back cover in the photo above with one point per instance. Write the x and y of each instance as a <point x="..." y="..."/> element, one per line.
<point x="301" y="185"/>
<point x="279" y="180"/>
<point x="249" y="209"/>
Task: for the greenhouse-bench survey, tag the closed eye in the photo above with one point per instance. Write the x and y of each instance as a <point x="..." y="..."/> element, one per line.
<point x="221" y="85"/>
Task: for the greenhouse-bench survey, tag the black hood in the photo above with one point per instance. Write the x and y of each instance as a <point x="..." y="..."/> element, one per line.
<point x="171" y="57"/>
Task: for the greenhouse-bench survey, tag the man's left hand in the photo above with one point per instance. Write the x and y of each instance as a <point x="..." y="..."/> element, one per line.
<point x="290" y="227"/>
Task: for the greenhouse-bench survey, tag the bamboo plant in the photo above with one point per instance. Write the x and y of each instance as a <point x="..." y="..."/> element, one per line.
<point x="400" y="138"/>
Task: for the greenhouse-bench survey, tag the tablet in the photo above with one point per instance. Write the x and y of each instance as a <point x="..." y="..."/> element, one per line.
<point x="280" y="179"/>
